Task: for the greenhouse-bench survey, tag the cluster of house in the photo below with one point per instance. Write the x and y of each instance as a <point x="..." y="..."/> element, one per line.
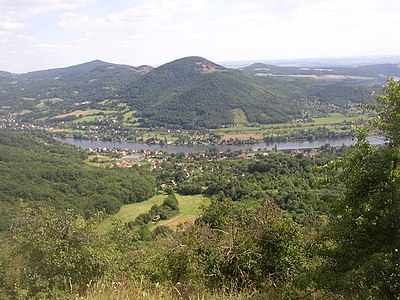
<point x="11" y="123"/>
<point x="305" y="153"/>
<point x="126" y="158"/>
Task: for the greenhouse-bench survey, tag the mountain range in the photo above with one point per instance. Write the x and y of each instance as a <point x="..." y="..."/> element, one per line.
<point x="191" y="92"/>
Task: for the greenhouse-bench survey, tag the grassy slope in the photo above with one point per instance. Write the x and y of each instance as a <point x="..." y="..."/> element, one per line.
<point x="189" y="210"/>
<point x="130" y="211"/>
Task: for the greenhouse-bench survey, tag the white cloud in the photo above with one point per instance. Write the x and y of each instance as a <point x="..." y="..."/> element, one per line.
<point x="312" y="28"/>
<point x="181" y="28"/>
<point x="252" y="6"/>
<point x="24" y="38"/>
<point x="11" y="25"/>
<point x="156" y="31"/>
<point x="48" y="46"/>
<point x="75" y="44"/>
<point x="146" y="13"/>
<point x="24" y="9"/>
<point x="4" y="36"/>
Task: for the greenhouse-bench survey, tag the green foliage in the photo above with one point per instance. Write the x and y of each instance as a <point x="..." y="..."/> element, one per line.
<point x="165" y="211"/>
<point x="43" y="172"/>
<point x="162" y="231"/>
<point x="190" y="93"/>
<point x="58" y="255"/>
<point x="59" y="251"/>
<point x="171" y="202"/>
<point x="90" y="82"/>
<point x="232" y="247"/>
<point x="364" y="237"/>
<point x="289" y="181"/>
<point x="10" y="264"/>
<point x="178" y="95"/>
<point x="189" y="189"/>
<point x="388" y="110"/>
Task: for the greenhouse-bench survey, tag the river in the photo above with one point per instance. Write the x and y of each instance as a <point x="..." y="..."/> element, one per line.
<point x="195" y="149"/>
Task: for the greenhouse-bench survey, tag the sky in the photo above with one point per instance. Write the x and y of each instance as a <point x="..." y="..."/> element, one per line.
<point x="43" y="34"/>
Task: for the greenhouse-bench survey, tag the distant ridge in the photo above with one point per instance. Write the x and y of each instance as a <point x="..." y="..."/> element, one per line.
<point x="92" y="81"/>
<point x="190" y="92"/>
<point x="374" y="72"/>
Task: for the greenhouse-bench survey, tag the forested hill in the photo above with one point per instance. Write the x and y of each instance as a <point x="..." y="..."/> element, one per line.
<point x="195" y="93"/>
<point x="36" y="169"/>
<point x="91" y="81"/>
<point x="188" y="93"/>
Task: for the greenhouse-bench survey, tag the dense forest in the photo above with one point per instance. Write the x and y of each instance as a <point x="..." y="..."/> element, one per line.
<point x="42" y="172"/>
<point x="195" y="93"/>
<point x="277" y="226"/>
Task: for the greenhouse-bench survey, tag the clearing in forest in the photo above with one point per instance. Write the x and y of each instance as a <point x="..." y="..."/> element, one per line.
<point x="189" y="210"/>
<point x="239" y="117"/>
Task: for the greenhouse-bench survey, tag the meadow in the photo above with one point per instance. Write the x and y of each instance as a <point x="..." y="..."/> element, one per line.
<point x="189" y="210"/>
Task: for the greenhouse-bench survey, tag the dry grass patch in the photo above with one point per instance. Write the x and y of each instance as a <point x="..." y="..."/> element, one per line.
<point x="242" y="137"/>
<point x="74" y="113"/>
<point x="239" y="117"/>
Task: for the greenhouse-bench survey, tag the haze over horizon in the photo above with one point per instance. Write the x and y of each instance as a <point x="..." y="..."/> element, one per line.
<point x="39" y="34"/>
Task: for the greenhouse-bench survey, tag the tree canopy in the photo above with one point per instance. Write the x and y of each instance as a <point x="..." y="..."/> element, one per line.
<point x="364" y="256"/>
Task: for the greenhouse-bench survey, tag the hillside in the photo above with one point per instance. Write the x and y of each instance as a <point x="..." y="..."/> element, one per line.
<point x="195" y="93"/>
<point x="36" y="169"/>
<point x="59" y="90"/>
<point x="185" y="93"/>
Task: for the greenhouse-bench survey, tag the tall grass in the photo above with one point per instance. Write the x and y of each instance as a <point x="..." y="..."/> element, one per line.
<point x="127" y="290"/>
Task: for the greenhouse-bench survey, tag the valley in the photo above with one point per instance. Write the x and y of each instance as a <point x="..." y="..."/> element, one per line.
<point x="195" y="178"/>
<point x="199" y="150"/>
<point x="190" y="101"/>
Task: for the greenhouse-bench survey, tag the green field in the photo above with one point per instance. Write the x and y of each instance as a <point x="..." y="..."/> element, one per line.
<point x="130" y="211"/>
<point x="129" y="119"/>
<point x="100" y="161"/>
<point x="333" y="121"/>
<point x="336" y="118"/>
<point x="190" y="208"/>
<point x="128" y="115"/>
<point x="94" y="115"/>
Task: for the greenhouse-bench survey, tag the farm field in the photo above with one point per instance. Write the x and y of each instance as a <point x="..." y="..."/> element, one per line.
<point x="313" y="76"/>
<point x="124" y="126"/>
<point x="93" y="115"/>
<point x="334" y="121"/>
<point x="243" y="137"/>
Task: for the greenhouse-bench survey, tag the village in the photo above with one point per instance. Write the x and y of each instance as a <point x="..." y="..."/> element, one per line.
<point x="154" y="159"/>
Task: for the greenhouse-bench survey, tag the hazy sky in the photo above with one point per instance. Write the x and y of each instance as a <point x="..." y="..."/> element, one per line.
<point x="40" y="34"/>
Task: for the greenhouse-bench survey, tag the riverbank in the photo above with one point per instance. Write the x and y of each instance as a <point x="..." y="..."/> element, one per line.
<point x="196" y="149"/>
